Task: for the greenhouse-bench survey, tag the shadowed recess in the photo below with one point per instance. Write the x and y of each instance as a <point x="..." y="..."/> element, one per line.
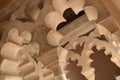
<point x="24" y="19"/>
<point x="70" y="16"/>
<point x="74" y="71"/>
<point x="102" y="37"/>
<point x="88" y="33"/>
<point x="41" y="4"/>
<point x="104" y="68"/>
<point x="79" y="48"/>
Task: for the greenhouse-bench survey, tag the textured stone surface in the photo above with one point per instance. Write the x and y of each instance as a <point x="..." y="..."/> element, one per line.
<point x="39" y="36"/>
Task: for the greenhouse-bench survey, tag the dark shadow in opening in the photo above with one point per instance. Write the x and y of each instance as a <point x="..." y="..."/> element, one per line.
<point x="41" y="4"/>
<point x="104" y="68"/>
<point x="102" y="37"/>
<point x="74" y="71"/>
<point x="25" y="20"/>
<point x="70" y="16"/>
<point x="88" y="33"/>
<point x="79" y="49"/>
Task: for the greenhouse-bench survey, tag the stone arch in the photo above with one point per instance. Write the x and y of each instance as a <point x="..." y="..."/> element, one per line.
<point x="60" y="21"/>
<point x="102" y="40"/>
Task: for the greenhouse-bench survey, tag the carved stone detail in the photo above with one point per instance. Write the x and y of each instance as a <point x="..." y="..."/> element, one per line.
<point x="41" y="61"/>
<point x="20" y="56"/>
